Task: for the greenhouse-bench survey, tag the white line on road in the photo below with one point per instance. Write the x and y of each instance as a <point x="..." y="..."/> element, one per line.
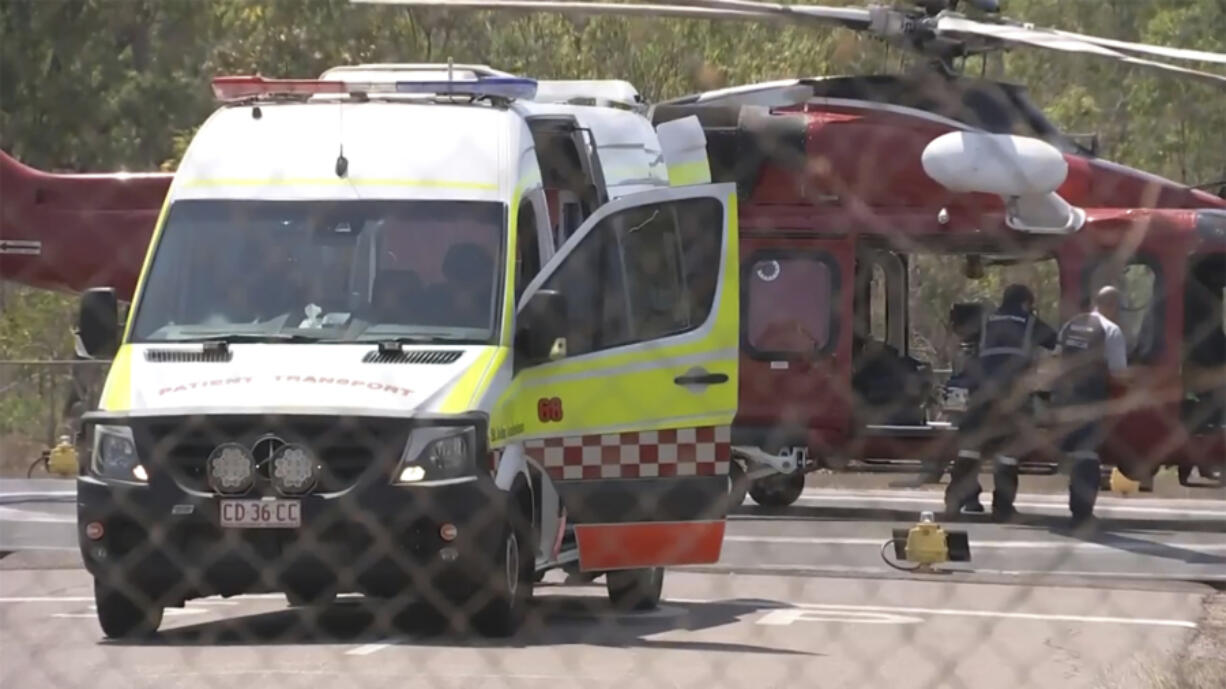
<point x="369" y="648"/>
<point x="1129" y="547"/>
<point x="825" y="609"/>
<point x="934" y="499"/>
<point x="860" y="570"/>
<point x="13" y="514"/>
<point x="1104" y="498"/>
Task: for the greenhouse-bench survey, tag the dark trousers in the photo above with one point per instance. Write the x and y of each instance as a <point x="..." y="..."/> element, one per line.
<point x="1081" y="445"/>
<point x="996" y="424"/>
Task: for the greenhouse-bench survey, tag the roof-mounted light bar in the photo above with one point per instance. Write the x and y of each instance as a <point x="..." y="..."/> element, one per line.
<point x="238" y="88"/>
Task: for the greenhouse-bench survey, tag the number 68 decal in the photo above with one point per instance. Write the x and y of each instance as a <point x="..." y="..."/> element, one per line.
<point x="549" y="409"/>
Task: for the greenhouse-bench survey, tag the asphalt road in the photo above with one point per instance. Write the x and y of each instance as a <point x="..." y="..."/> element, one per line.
<point x="800" y="598"/>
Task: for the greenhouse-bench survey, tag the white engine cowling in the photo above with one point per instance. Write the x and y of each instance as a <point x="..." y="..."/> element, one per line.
<point x="1024" y="171"/>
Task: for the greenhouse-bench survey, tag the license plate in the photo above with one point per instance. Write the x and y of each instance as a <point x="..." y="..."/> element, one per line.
<point x="261" y="514"/>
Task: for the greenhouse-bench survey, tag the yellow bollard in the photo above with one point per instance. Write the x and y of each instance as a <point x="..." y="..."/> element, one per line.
<point x="62" y="460"/>
<point x="1122" y="484"/>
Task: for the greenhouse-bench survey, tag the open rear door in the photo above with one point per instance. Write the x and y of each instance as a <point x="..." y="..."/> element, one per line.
<point x="632" y="422"/>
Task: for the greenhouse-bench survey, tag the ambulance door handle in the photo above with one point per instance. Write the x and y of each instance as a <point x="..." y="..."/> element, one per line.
<point x="701" y="377"/>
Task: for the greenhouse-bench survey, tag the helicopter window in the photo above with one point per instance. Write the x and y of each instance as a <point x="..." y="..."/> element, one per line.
<point x="788" y="304"/>
<point x="1139" y="282"/>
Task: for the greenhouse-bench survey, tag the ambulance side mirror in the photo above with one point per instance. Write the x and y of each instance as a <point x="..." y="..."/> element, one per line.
<point x="98" y="322"/>
<point x="541" y="324"/>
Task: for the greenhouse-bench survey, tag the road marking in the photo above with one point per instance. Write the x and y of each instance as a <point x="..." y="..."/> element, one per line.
<point x="369" y="648"/>
<point x="12" y="514"/>
<point x="938" y="500"/>
<point x="1104" y="497"/>
<point x="787" y="616"/>
<point x="854" y="570"/>
<point x="1003" y="614"/>
<point x="1125" y="546"/>
<point x="90" y="599"/>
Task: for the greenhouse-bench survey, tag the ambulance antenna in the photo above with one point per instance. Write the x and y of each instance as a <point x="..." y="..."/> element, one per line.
<point x="342" y="163"/>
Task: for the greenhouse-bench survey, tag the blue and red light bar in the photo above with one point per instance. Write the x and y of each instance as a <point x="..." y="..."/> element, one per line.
<point x="236" y="88"/>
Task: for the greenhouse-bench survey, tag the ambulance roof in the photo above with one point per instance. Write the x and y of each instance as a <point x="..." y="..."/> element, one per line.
<point x="390" y="150"/>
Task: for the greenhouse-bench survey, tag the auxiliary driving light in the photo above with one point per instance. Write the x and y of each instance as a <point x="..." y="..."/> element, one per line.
<point x="294" y="470"/>
<point x="230" y="468"/>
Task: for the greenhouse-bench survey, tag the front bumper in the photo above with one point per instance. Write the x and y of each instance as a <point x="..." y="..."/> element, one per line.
<point x="359" y="531"/>
<point x="382" y="541"/>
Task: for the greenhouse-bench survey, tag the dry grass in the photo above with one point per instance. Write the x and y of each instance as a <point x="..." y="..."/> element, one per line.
<point x="16" y="453"/>
<point x="1201" y="665"/>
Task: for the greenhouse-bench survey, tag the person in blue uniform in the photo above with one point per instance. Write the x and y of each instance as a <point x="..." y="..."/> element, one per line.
<point x="998" y="419"/>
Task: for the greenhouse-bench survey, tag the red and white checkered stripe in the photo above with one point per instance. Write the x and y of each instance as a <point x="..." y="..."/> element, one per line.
<point x="701" y="451"/>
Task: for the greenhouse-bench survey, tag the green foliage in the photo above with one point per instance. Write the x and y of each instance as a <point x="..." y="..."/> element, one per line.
<point x="123" y="84"/>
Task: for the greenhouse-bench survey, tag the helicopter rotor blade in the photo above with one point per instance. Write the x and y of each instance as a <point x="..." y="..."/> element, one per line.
<point x="1148" y="48"/>
<point x="1023" y="35"/>
<point x="850" y="17"/>
<point x="577" y="7"/>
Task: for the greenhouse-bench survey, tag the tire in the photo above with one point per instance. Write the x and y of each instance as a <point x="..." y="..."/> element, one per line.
<point x="739" y="486"/>
<point x="780" y="490"/>
<point x="635" y="589"/>
<point x="122" y="618"/>
<point x="510" y="584"/>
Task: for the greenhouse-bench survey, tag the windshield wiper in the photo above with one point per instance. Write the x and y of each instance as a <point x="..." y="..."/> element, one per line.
<point x="222" y="341"/>
<point x="394" y="343"/>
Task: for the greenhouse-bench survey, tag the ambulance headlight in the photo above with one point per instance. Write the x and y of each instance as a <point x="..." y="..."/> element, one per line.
<point x="114" y="454"/>
<point x="438" y="453"/>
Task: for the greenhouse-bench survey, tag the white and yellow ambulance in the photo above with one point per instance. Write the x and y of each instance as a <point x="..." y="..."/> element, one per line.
<point x="357" y="361"/>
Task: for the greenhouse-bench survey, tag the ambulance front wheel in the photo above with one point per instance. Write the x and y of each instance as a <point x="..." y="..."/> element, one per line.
<point x="121" y="617"/>
<point x="635" y="589"/>
<point x="779" y="490"/>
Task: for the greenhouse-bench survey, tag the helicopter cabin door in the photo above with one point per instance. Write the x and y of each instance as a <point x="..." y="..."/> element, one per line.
<point x="1144" y="420"/>
<point x="795" y="340"/>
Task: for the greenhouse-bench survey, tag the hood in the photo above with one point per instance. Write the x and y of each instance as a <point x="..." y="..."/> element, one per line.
<point x="148" y="379"/>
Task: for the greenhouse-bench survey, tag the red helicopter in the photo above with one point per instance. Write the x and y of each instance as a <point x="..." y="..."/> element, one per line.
<point x="845" y="182"/>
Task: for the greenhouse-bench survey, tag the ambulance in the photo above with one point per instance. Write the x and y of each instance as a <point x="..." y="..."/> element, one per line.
<point x="416" y="332"/>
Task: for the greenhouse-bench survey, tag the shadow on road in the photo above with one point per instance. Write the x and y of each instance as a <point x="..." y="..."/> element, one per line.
<point x="553" y="621"/>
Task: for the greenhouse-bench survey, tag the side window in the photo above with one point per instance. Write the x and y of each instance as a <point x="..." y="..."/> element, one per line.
<point x="672" y="257"/>
<point x="1140" y="314"/>
<point x="787" y="309"/>
<point x="591" y="279"/>
<point x="527" y="249"/>
<point x="640" y="274"/>
<point x="652" y="254"/>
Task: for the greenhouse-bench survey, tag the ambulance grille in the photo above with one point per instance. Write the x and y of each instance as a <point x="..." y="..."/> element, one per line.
<point x="418" y="356"/>
<point x="348" y="448"/>
<point x="186" y="356"/>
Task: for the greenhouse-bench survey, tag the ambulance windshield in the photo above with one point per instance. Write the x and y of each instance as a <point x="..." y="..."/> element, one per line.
<point x="337" y="271"/>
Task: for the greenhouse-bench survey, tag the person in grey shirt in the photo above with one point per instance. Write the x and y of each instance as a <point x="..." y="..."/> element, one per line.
<point x="1094" y="354"/>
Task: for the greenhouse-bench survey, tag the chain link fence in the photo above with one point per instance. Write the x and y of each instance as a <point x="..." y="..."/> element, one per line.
<point x="325" y="409"/>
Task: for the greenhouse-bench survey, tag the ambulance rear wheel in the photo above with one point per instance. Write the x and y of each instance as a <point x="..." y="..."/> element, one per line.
<point x="635" y="589"/>
<point x="779" y="490"/>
